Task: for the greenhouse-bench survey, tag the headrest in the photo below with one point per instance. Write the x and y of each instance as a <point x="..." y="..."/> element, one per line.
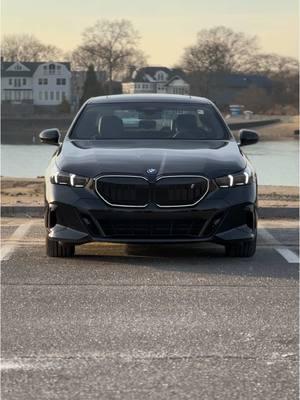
<point x="110" y="126"/>
<point x="186" y="121"/>
<point x="147" y="124"/>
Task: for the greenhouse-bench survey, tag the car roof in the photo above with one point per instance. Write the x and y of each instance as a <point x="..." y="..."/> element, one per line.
<point x="131" y="98"/>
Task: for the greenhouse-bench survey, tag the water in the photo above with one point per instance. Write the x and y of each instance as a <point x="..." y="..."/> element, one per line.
<point x="276" y="163"/>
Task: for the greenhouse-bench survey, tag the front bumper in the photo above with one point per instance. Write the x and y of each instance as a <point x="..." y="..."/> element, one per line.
<point x="78" y="215"/>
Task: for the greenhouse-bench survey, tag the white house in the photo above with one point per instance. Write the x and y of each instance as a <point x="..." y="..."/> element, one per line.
<point x="156" y="80"/>
<point x="37" y="83"/>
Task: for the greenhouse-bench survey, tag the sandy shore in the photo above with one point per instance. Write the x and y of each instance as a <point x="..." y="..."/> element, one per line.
<point x="20" y="191"/>
<point x="280" y="131"/>
<point x="25" y="191"/>
<point x="283" y="130"/>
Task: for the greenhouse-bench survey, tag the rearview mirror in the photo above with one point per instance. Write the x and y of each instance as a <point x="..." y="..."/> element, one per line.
<point x="248" y="137"/>
<point x="50" y="136"/>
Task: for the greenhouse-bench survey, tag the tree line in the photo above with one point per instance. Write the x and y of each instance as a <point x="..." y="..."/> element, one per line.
<point x="113" y="46"/>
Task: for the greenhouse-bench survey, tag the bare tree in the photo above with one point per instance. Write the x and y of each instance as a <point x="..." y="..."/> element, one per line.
<point x="111" y="46"/>
<point x="219" y="49"/>
<point x="24" y="47"/>
<point x="284" y="73"/>
<point x="81" y="60"/>
<point x="274" y="65"/>
<point x="254" y="99"/>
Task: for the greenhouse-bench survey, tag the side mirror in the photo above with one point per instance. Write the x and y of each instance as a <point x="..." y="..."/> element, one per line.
<point x="50" y="136"/>
<point x="248" y="137"/>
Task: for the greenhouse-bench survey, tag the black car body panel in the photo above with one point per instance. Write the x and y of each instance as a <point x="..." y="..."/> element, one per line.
<point x="81" y="214"/>
<point x="92" y="158"/>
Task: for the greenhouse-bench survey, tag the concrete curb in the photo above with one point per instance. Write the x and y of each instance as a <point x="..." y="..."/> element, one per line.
<point x="282" y="212"/>
<point x="38" y="212"/>
<point x="22" y="211"/>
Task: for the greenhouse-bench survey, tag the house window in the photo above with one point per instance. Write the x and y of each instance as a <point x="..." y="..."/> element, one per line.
<point x="7" y="95"/>
<point x="18" y="67"/>
<point x="51" y="95"/>
<point x="46" y="95"/>
<point x="63" y="95"/>
<point x="51" y="69"/>
<point x="160" y="76"/>
<point x="40" y="95"/>
<point x="10" y="81"/>
<point x="57" y="96"/>
<point x="17" y="82"/>
<point x="58" y="68"/>
<point x="60" y="81"/>
<point x="24" y="81"/>
<point x="43" y="81"/>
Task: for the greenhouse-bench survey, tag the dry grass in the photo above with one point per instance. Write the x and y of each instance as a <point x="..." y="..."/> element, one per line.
<point x="280" y="131"/>
<point x="22" y="191"/>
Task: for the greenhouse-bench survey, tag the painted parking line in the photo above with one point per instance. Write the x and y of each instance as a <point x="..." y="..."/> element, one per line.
<point x="8" y="249"/>
<point x="287" y="254"/>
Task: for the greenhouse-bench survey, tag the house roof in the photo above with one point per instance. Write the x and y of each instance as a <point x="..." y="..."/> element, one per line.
<point x="140" y="75"/>
<point x="32" y="66"/>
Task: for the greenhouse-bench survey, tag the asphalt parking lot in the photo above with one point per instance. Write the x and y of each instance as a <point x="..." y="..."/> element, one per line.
<point x="160" y="322"/>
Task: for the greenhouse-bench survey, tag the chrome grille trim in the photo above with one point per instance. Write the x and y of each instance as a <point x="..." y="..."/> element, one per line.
<point x="183" y="176"/>
<point x="119" y="176"/>
<point x="151" y="182"/>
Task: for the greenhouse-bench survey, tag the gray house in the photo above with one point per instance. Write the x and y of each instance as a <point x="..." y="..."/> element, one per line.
<point x="156" y="80"/>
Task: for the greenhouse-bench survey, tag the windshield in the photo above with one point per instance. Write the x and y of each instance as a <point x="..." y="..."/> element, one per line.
<point x="149" y="121"/>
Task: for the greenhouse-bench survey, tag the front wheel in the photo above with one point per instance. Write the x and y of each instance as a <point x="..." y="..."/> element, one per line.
<point x="56" y="249"/>
<point x="241" y="248"/>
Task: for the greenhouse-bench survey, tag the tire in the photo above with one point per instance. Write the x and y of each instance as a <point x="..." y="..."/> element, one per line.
<point x="55" y="249"/>
<point x="241" y="249"/>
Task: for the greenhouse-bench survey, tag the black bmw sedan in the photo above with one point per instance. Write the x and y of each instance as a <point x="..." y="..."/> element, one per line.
<point x="150" y="169"/>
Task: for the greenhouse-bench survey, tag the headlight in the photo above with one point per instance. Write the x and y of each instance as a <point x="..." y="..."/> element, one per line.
<point x="242" y="178"/>
<point x="65" y="178"/>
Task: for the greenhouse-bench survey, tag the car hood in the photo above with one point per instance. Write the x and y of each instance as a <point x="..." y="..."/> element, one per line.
<point x="209" y="158"/>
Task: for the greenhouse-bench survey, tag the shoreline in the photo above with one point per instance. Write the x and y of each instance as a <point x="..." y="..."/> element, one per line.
<point x="26" y="131"/>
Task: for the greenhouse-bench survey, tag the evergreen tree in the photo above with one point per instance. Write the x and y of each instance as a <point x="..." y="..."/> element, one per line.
<point x="64" y="106"/>
<point x="92" y="86"/>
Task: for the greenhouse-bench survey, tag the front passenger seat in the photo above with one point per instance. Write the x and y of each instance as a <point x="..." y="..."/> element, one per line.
<point x="186" y="122"/>
<point x="110" y="127"/>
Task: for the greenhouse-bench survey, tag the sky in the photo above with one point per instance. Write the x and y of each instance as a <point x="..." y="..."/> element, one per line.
<point x="165" y="26"/>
